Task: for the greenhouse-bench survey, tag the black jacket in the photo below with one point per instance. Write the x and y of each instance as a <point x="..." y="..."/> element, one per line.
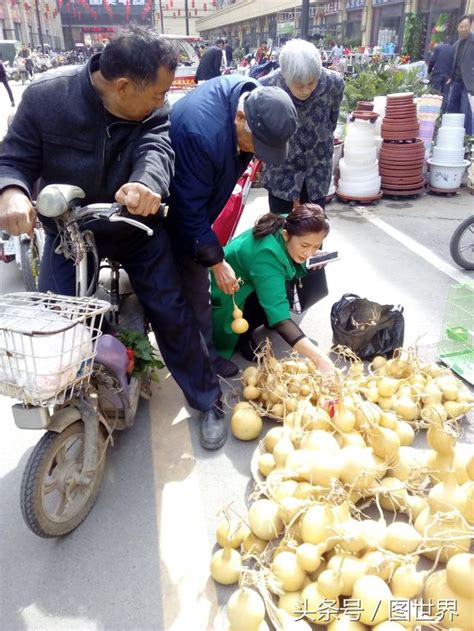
<point x="210" y="64"/>
<point x="441" y="62"/>
<point x="62" y="133"/>
<point x="467" y="63"/>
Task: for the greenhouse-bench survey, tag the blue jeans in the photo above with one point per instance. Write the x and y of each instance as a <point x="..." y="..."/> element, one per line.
<point x="151" y="268"/>
<point x="458" y="103"/>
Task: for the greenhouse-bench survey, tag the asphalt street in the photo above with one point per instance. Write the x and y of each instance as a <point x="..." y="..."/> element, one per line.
<point x="140" y="561"/>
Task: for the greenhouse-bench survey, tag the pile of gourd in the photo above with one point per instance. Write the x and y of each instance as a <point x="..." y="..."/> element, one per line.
<point x="307" y="548"/>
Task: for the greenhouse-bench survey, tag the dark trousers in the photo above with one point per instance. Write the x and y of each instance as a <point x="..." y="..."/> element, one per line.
<point x="196" y="285"/>
<point x="458" y="103"/>
<point x="151" y="268"/>
<point x="4" y="80"/>
<point x="283" y="207"/>
<point x="441" y="85"/>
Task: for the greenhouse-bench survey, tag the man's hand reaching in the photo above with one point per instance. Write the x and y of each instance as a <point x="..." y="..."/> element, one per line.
<point x="225" y="277"/>
<point x="138" y="198"/>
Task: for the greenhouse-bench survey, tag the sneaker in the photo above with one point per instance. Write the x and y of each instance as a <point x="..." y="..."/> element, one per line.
<point x="225" y="368"/>
<point x="213" y="427"/>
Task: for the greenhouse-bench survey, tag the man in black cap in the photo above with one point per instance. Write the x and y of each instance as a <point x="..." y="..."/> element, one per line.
<point x="215" y="131"/>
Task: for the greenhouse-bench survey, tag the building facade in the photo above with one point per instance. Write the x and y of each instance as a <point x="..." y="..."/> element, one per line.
<point x="356" y="22"/>
<point x="33" y="22"/>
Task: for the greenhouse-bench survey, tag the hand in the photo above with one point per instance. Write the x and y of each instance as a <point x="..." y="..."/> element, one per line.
<point x="138" y="198"/>
<point x="225" y="277"/>
<point x="17" y="215"/>
<point x="324" y="365"/>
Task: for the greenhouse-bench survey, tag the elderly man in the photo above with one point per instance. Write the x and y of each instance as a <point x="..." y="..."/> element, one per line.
<point x="104" y="127"/>
<point x="215" y="131"/>
<point x="462" y="77"/>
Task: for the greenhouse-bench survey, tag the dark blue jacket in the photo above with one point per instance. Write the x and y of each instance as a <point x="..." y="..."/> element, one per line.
<point x="207" y="164"/>
<point x="441" y="62"/>
<point x="62" y="133"/>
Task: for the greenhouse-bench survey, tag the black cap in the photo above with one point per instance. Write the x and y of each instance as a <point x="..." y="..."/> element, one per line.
<point x="272" y="119"/>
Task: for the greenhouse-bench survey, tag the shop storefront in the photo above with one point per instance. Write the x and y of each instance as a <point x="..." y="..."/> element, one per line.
<point x="352" y="30"/>
<point x="440" y="17"/>
<point x="387" y="23"/>
<point x="331" y="27"/>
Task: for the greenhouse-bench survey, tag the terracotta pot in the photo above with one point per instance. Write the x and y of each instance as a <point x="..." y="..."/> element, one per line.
<point x="400" y="179"/>
<point x="404" y="187"/>
<point x="364" y="115"/>
<point x="365" y="106"/>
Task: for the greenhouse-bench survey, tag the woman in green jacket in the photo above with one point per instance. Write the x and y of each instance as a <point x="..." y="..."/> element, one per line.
<point x="264" y="258"/>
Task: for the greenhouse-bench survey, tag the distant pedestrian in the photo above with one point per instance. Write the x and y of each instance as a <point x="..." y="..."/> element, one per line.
<point x="263" y="53"/>
<point x="336" y="53"/>
<point x="211" y="62"/>
<point x="462" y="75"/>
<point x="439" y="68"/>
<point x="4" y="80"/>
<point x="229" y="53"/>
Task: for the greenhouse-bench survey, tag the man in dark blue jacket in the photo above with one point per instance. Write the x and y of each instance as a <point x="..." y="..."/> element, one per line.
<point x="104" y="127"/>
<point x="215" y="130"/>
<point x="439" y="68"/>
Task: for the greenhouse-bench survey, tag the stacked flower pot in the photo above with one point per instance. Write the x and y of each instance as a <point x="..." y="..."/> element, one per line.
<point x="402" y="152"/>
<point x="429" y="109"/>
<point x="447" y="165"/>
<point x="359" y="177"/>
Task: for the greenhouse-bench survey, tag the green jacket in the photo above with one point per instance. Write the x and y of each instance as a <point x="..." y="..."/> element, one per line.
<point x="262" y="265"/>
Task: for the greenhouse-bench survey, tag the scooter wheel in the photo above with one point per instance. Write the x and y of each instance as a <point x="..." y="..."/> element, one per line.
<point x="462" y="244"/>
<point x="53" y="501"/>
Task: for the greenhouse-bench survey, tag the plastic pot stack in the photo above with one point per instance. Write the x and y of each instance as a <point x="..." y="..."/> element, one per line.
<point x="429" y="108"/>
<point x="402" y="153"/>
<point x="359" y="177"/>
<point x="447" y="165"/>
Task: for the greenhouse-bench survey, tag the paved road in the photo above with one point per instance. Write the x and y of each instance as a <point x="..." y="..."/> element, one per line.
<point x="140" y="560"/>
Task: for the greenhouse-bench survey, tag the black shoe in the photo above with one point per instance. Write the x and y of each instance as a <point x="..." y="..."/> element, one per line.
<point x="225" y="368"/>
<point x="247" y="346"/>
<point x="213" y="428"/>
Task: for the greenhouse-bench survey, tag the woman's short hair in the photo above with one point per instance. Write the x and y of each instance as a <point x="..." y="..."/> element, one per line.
<point x="137" y="54"/>
<point x="300" y="62"/>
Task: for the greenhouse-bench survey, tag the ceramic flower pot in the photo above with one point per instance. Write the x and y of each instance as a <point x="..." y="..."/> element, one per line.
<point x="447" y="176"/>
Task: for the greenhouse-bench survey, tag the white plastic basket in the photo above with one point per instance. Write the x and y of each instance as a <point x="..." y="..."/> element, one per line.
<point x="47" y="345"/>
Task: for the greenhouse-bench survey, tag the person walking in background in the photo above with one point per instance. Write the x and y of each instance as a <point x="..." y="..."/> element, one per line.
<point x="211" y="62"/>
<point x="439" y="68"/>
<point x="305" y="175"/>
<point x="215" y="130"/>
<point x="229" y="53"/>
<point x="462" y="75"/>
<point x="4" y="80"/>
<point x="336" y="52"/>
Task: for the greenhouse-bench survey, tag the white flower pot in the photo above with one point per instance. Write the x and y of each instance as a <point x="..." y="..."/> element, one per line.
<point x="450" y="137"/>
<point x="348" y="168"/>
<point x="448" y="156"/>
<point x="361" y="155"/>
<point x="452" y="120"/>
<point x="447" y="176"/>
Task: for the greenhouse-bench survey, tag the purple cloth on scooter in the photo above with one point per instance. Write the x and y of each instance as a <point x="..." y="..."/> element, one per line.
<point x="113" y="354"/>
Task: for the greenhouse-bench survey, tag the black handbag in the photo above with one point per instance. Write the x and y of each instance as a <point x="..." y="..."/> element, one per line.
<point x="367" y="328"/>
<point x="306" y="291"/>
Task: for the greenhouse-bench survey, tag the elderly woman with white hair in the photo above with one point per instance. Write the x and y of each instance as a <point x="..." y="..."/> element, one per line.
<point x="305" y="176"/>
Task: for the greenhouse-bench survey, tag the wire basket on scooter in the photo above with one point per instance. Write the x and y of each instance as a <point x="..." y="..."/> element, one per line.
<point x="47" y="345"/>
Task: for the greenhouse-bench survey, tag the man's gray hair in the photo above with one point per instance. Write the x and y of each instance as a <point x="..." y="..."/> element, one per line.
<point x="300" y="62"/>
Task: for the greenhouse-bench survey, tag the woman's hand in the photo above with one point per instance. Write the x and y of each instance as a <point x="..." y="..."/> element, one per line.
<point x="320" y="360"/>
<point x="17" y="215"/>
<point x="225" y="277"/>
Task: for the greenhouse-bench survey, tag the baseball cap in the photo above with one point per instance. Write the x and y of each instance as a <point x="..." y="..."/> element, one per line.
<point x="272" y="119"/>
